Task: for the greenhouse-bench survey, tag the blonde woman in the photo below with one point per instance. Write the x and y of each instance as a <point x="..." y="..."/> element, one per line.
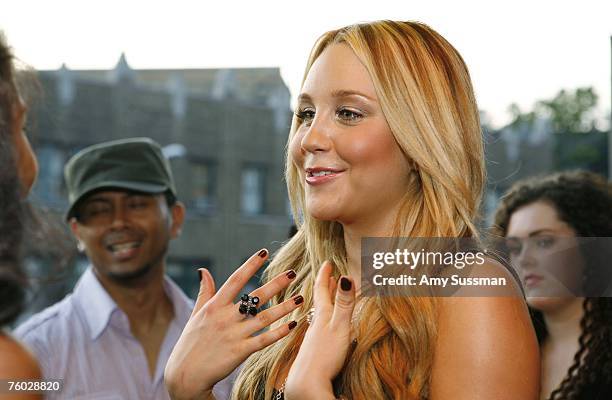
<point x="385" y="142"/>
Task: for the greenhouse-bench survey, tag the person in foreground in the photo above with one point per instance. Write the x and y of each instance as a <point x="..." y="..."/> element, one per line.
<point x="385" y="142"/>
<point x="18" y="170"/>
<point x="112" y="336"/>
<point x="538" y="217"/>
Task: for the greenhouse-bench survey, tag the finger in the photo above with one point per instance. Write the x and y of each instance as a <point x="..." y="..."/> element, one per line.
<point x="345" y="302"/>
<point x="235" y="283"/>
<point x="332" y="287"/>
<point x="322" y="299"/>
<point x="278" y="283"/>
<point x="207" y="289"/>
<point x="269" y="316"/>
<point x="265" y="339"/>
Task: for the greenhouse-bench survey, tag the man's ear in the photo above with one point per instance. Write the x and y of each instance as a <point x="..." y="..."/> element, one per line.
<point x="74" y="227"/>
<point x="178" y="217"/>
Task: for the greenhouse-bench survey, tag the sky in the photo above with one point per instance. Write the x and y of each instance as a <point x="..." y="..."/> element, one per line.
<point x="517" y="51"/>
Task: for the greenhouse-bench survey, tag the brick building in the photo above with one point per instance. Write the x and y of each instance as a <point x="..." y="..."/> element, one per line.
<point x="224" y="130"/>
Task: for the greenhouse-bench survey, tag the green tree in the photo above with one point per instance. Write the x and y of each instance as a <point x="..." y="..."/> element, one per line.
<point x="570" y="112"/>
<point x="519" y="117"/>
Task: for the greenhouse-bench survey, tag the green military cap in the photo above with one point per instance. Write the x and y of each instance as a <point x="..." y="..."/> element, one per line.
<point x="135" y="164"/>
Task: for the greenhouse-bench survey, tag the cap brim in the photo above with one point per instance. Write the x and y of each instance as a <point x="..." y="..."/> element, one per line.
<point x="151" y="188"/>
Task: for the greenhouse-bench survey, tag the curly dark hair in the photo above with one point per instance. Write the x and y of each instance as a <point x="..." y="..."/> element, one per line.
<point x="12" y="278"/>
<point x="583" y="200"/>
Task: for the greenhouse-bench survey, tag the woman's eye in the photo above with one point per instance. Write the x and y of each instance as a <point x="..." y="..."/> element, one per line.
<point x="545" y="242"/>
<point x="514" y="249"/>
<point x="305" y="115"/>
<point x="348" y="115"/>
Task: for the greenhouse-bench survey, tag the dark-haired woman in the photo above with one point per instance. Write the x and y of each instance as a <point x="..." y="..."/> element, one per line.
<point x="18" y="170"/>
<point x="540" y="218"/>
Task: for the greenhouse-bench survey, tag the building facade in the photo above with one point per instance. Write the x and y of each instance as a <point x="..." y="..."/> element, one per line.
<point x="224" y="131"/>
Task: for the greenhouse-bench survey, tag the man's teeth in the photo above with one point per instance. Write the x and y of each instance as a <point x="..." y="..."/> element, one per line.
<point x="322" y="173"/>
<point x="124" y="246"/>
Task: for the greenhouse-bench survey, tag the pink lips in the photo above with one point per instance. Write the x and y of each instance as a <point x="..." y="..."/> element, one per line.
<point x="532" y="280"/>
<point x="320" y="175"/>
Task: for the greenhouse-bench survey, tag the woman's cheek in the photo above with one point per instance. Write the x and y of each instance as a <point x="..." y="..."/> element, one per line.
<point x="295" y="149"/>
<point x="26" y="162"/>
<point x="369" y="147"/>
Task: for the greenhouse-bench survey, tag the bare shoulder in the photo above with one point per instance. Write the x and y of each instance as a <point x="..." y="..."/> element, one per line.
<point x="488" y="279"/>
<point x="486" y="347"/>
<point x="17" y="361"/>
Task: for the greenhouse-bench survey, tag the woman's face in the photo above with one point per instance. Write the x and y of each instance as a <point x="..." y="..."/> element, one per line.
<point x="26" y="160"/>
<point x="545" y="252"/>
<point x="350" y="164"/>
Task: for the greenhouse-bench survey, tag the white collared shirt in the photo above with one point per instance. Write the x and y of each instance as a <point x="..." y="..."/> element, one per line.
<point x="86" y="340"/>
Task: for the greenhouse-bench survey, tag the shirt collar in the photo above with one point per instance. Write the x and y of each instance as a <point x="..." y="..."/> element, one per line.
<point x="181" y="303"/>
<point x="95" y="302"/>
<point x="97" y="306"/>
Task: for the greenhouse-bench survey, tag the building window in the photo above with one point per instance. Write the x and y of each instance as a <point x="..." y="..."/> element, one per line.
<point x="49" y="185"/>
<point x="182" y="271"/>
<point x="252" y="191"/>
<point x="202" y="193"/>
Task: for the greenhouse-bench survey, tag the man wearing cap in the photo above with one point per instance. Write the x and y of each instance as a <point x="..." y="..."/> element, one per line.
<point x="112" y="336"/>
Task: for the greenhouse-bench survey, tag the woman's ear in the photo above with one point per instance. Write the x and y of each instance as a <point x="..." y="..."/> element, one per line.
<point x="414" y="166"/>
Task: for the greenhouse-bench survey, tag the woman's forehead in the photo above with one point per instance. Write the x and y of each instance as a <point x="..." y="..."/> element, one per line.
<point x="337" y="71"/>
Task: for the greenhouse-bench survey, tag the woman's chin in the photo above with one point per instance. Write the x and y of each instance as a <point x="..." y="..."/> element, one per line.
<point x="549" y="304"/>
<point x="323" y="213"/>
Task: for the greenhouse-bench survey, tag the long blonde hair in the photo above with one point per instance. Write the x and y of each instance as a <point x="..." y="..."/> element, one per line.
<point x="426" y="95"/>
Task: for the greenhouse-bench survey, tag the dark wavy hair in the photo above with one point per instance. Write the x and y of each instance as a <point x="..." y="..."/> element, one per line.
<point x="12" y="278"/>
<point x="583" y="200"/>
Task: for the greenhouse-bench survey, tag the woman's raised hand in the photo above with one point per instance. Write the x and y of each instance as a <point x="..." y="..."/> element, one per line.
<point x="327" y="340"/>
<point x="218" y="338"/>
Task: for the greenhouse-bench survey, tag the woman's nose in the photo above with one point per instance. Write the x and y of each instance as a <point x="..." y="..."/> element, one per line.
<point x="317" y="137"/>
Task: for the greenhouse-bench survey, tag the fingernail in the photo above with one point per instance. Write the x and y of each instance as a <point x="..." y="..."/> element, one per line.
<point x="291" y="274"/>
<point x="200" y="274"/>
<point x="262" y="253"/>
<point x="345" y="284"/>
<point x="292" y="325"/>
<point x="298" y="300"/>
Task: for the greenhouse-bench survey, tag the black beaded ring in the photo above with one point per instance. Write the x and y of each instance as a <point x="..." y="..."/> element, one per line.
<point x="248" y="304"/>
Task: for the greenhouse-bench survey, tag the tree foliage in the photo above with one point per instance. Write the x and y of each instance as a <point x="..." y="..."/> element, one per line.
<point x="568" y="112"/>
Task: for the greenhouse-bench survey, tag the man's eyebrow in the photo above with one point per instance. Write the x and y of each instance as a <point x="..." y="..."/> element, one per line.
<point x="339" y="93"/>
<point x="95" y="199"/>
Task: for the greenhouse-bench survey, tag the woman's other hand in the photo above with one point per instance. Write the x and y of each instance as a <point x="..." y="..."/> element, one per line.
<point x="327" y="340"/>
<point x="218" y="338"/>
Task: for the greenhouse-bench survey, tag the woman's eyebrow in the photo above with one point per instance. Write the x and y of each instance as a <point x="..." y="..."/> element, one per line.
<point x="348" y="93"/>
<point x="338" y="93"/>
<point x="304" y="97"/>
<point x="541" y="231"/>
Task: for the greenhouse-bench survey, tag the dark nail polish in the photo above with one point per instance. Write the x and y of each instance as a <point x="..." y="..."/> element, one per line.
<point x="298" y="300"/>
<point x="345" y="284"/>
<point x="262" y="253"/>
<point x="292" y="325"/>
<point x="291" y="274"/>
<point x="200" y="274"/>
